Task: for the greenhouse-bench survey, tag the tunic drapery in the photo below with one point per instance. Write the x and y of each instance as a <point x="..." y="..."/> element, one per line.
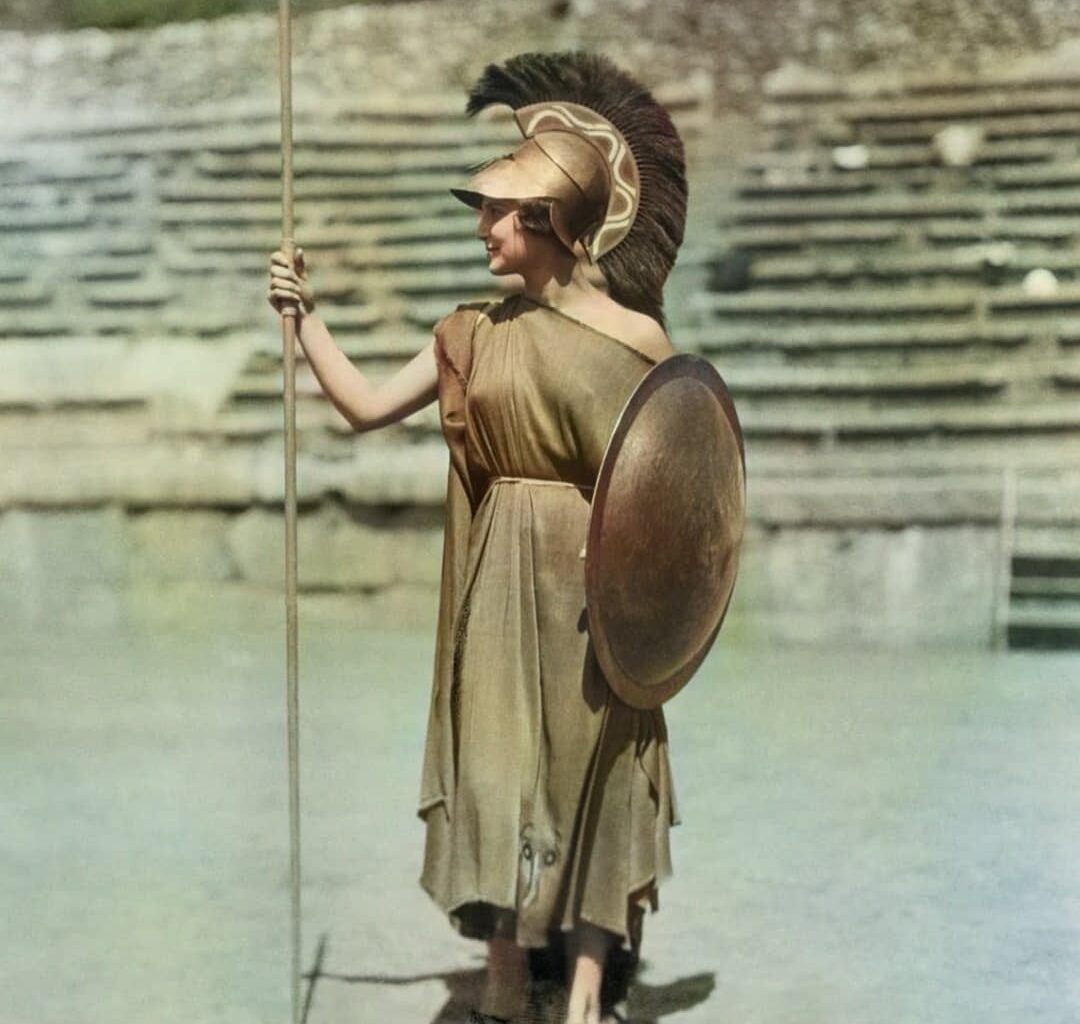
<point x="547" y="801"/>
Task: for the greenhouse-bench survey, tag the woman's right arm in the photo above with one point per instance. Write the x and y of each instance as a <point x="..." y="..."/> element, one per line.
<point x="365" y="405"/>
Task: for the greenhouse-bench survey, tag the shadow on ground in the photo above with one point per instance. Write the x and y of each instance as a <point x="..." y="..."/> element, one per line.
<point x="647" y="1004"/>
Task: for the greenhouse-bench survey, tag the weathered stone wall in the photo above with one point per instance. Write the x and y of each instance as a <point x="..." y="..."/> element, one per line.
<point x="427" y="45"/>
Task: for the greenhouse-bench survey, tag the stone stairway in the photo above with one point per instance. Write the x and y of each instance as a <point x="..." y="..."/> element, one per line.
<point x="1044" y="600"/>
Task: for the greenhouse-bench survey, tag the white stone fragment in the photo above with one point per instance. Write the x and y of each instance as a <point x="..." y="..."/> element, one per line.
<point x="957" y="145"/>
<point x="851" y="158"/>
<point x="999" y="254"/>
<point x="1041" y="283"/>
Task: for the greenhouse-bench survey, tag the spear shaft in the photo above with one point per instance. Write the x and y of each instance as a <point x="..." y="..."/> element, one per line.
<point x="288" y="341"/>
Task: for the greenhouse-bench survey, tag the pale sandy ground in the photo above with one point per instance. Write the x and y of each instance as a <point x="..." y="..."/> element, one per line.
<point x="868" y="838"/>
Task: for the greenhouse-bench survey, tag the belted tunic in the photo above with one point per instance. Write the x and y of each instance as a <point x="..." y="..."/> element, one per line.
<point x="546" y="800"/>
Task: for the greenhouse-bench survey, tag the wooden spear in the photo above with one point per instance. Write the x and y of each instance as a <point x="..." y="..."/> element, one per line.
<point x="288" y="341"/>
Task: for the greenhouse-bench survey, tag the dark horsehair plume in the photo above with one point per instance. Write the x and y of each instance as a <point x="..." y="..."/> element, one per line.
<point x="638" y="266"/>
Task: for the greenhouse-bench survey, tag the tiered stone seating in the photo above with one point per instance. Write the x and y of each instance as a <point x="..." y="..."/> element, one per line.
<point x="868" y="306"/>
<point x="153" y="230"/>
<point x="888" y="361"/>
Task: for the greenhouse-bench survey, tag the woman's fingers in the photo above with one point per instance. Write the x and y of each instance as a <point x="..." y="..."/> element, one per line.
<point x="288" y="284"/>
<point x="279" y="258"/>
<point x="284" y="274"/>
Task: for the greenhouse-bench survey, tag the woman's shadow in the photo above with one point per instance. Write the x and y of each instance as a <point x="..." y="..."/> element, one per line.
<point x="645" y="1004"/>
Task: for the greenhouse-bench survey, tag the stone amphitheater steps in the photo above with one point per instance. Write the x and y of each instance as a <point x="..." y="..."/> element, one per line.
<point x="257" y="213"/>
<point x="888" y="163"/>
<point x="899" y="425"/>
<point x="452" y="225"/>
<point x="779" y="382"/>
<point x="860" y="235"/>
<point x="189" y="472"/>
<point x="311" y="168"/>
<point x="887" y="365"/>
<point x="1047" y="588"/>
<point x="942" y="463"/>
<point x="968" y="265"/>
<point x="796" y="421"/>
<point x="840" y="304"/>
<point x="904" y="341"/>
<point x="998" y="127"/>
<point x="979" y="102"/>
<point x="858" y="206"/>
<point x="1046" y="624"/>
<point x="396" y="185"/>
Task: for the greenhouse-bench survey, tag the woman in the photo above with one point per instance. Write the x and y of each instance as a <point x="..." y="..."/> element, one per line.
<point x="547" y="801"/>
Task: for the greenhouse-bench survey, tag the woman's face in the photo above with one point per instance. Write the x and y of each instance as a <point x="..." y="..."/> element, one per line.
<point x="507" y="242"/>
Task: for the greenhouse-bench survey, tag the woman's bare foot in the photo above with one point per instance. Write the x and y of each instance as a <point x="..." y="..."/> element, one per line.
<point x="589" y="946"/>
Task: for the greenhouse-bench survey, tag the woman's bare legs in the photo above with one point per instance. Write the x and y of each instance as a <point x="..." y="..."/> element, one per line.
<point x="507" y="984"/>
<point x="588" y="948"/>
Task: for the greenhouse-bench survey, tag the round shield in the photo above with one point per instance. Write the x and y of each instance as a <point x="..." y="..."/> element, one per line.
<point x="665" y="530"/>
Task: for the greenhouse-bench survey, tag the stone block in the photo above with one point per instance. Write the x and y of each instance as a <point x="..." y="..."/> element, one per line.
<point x="23" y="295"/>
<point x="315" y="164"/>
<point x="1002" y="126"/>
<point x="45" y="372"/>
<point x="451" y="224"/>
<point x="793" y="81"/>
<point x="953" y="105"/>
<point x="88" y="170"/>
<point x="806" y="186"/>
<point x="865" y="303"/>
<point x="1039" y="175"/>
<point x="337" y="551"/>
<point x="180" y="546"/>
<point x="141" y="294"/>
<point x="378" y="134"/>
<point x="887" y="382"/>
<point x="889" y="588"/>
<point x="67" y="219"/>
<point x="451" y="282"/>
<point x="791" y="235"/>
<point x="422" y="252"/>
<point x="1046" y="540"/>
<point x="1066" y="299"/>
<point x="222" y="216"/>
<point x="1059" y="229"/>
<point x="861" y="207"/>
<point x="871" y="501"/>
<point x="987" y="263"/>
<point x="412" y="474"/>
<point x="61" y="566"/>
<point x="377" y="210"/>
<point x="105" y="267"/>
<point x="1052" y="201"/>
<point x="827" y="338"/>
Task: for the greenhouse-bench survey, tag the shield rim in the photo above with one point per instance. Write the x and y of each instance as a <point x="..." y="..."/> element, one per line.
<point x="682" y="365"/>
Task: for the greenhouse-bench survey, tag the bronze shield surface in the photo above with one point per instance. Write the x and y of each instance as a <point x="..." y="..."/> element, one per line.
<point x="665" y="530"/>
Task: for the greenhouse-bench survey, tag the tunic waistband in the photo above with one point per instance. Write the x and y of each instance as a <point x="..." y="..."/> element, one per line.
<point x="540" y="482"/>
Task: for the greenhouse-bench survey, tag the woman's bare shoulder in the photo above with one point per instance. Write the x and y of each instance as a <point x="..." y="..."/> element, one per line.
<point x="643" y="333"/>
